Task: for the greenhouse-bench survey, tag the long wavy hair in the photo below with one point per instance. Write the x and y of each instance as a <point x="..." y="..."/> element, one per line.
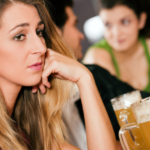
<point x="38" y="116"/>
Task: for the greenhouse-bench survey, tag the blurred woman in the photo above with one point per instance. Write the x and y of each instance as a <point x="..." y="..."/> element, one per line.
<point x="124" y="51"/>
<point x="33" y="121"/>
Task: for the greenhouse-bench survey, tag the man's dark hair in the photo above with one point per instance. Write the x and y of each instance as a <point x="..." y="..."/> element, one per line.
<point x="57" y="11"/>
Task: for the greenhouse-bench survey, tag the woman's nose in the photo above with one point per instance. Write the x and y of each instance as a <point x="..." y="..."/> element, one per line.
<point x="116" y="31"/>
<point x="38" y="45"/>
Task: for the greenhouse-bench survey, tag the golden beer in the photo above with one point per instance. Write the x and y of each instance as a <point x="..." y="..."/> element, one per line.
<point x="145" y="131"/>
<point x="141" y="111"/>
<point x="120" y="116"/>
<point x="139" y="143"/>
<point x="125" y="116"/>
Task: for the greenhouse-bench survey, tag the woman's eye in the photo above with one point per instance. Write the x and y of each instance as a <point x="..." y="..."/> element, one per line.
<point x="125" y="22"/>
<point x="40" y="33"/>
<point x="19" y="37"/>
<point x="108" y="25"/>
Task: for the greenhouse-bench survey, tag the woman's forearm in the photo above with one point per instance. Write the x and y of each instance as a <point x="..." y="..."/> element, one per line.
<point x="100" y="135"/>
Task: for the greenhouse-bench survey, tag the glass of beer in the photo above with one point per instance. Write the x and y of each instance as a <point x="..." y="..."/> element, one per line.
<point x="124" y="114"/>
<point x="141" y="112"/>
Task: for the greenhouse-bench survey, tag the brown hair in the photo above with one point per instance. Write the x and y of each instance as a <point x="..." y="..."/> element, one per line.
<point x="37" y="115"/>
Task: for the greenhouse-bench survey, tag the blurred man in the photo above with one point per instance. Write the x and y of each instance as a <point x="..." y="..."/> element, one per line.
<point x="66" y="21"/>
<point x="63" y="16"/>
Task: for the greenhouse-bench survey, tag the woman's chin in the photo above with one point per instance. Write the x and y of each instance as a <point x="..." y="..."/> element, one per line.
<point x="121" y="48"/>
<point x="32" y="82"/>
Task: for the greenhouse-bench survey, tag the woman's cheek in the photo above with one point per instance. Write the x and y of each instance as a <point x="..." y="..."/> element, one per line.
<point x="108" y="36"/>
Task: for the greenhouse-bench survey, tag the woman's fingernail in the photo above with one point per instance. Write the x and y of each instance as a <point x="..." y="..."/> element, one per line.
<point x="48" y="85"/>
<point x="34" y="90"/>
<point x="43" y="90"/>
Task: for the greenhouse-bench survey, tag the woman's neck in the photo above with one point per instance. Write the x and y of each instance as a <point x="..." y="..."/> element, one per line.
<point x="127" y="54"/>
<point x="10" y="93"/>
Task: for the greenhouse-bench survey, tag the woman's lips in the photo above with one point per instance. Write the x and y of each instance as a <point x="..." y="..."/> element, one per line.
<point x="121" y="41"/>
<point x="36" y="66"/>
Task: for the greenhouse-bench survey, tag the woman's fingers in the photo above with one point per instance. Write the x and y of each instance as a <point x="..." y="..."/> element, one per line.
<point x="52" y="67"/>
<point x="57" y="76"/>
<point x="34" y="89"/>
<point x="61" y="67"/>
<point x="42" y="88"/>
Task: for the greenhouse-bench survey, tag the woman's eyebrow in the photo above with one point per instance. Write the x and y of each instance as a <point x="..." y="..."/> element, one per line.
<point x="25" y="24"/>
<point x="40" y="23"/>
<point x="126" y="16"/>
<point x="20" y="25"/>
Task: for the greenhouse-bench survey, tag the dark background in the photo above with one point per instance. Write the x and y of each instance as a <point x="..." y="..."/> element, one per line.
<point x="85" y="9"/>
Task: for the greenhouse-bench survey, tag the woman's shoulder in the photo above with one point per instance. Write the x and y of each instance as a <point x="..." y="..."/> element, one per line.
<point x="98" y="56"/>
<point x="66" y="146"/>
<point x="97" y="52"/>
<point x="94" y="54"/>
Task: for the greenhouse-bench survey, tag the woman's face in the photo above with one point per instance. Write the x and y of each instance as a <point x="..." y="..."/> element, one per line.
<point x="121" y="27"/>
<point x="22" y="46"/>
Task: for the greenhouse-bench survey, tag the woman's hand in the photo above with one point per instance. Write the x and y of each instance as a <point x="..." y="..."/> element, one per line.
<point x="61" y="67"/>
<point x="99" y="131"/>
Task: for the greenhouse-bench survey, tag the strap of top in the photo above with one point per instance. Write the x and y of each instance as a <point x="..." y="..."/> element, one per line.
<point x="104" y="45"/>
<point x="143" y="41"/>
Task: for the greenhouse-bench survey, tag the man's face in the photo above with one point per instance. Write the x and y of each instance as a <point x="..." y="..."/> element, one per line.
<point x="72" y="36"/>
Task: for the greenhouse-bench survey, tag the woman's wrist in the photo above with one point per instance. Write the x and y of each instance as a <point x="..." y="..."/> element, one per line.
<point x="86" y="79"/>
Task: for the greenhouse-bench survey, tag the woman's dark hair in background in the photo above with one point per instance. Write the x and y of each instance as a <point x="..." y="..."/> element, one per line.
<point x="138" y="6"/>
<point x="57" y="11"/>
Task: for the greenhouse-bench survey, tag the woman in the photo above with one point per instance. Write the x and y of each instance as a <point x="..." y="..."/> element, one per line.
<point x="125" y="50"/>
<point x="32" y="121"/>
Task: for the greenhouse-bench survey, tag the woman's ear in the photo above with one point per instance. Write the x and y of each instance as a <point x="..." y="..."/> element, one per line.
<point x="142" y="20"/>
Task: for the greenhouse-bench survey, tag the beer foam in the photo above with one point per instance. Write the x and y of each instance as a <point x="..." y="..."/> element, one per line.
<point x="142" y="113"/>
<point x="131" y="98"/>
<point x="126" y="100"/>
<point x="118" y="105"/>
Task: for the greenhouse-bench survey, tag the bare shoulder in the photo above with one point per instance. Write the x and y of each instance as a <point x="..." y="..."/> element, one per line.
<point x="99" y="57"/>
<point x="93" y="55"/>
<point x="66" y="146"/>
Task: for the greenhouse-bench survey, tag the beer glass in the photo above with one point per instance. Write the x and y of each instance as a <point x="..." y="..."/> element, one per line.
<point x="141" y="112"/>
<point x="124" y="114"/>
